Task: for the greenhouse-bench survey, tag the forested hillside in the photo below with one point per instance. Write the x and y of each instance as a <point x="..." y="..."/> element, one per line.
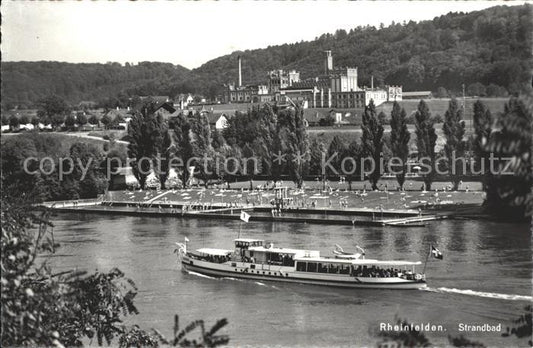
<point x="490" y="48"/>
<point x="25" y="83"/>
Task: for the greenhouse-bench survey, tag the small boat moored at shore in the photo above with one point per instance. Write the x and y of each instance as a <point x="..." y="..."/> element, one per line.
<point x="254" y="259"/>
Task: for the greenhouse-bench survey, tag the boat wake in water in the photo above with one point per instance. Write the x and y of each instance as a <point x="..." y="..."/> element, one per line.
<point x="227" y="278"/>
<point x="510" y="297"/>
<point x="199" y="275"/>
<point x="254" y="281"/>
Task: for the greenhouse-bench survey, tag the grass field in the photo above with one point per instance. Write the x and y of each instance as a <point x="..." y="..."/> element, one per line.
<point x="68" y="139"/>
<point x="112" y="133"/>
<point x="347" y="135"/>
<point x="439" y="106"/>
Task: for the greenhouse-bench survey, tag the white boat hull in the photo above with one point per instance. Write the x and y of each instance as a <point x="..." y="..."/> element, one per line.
<point x="288" y="274"/>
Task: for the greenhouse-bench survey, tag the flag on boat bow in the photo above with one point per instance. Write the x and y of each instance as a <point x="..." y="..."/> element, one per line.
<point x="436" y="253"/>
<point x="245" y="216"/>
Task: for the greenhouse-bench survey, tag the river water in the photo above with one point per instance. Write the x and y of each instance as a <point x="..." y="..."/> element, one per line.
<point x="485" y="277"/>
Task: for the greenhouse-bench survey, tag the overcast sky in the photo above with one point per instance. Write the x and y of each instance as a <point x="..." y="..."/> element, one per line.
<point x="188" y="33"/>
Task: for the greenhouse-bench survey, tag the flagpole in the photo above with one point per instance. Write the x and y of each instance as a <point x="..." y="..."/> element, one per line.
<point x="244" y="217"/>
<point x="425" y="263"/>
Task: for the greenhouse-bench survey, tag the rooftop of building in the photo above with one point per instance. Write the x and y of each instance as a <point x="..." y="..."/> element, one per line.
<point x="415" y="93"/>
<point x="309" y="84"/>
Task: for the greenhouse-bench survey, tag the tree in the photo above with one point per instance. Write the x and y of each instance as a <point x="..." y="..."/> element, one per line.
<point x="426" y="139"/>
<point x="221" y="170"/>
<point x="53" y="105"/>
<point x="90" y="181"/>
<point x="115" y="158"/>
<point x="24" y="119"/>
<point x="355" y="152"/>
<point x="372" y="142"/>
<point x="248" y="166"/>
<point x="93" y="120"/>
<point x="400" y="137"/>
<point x="202" y="150"/>
<point x="54" y="108"/>
<point x="476" y="89"/>
<point x="81" y="119"/>
<point x="106" y="121"/>
<point x="35" y="121"/>
<point x="17" y="182"/>
<point x="482" y="129"/>
<point x="317" y="150"/>
<point x="208" y="338"/>
<point x="145" y="138"/>
<point x="258" y="128"/>
<point x="57" y="120"/>
<point x="70" y="122"/>
<point x="523" y="327"/>
<point x="218" y="139"/>
<point x="509" y="193"/>
<point x="266" y="145"/>
<point x="295" y="143"/>
<point x="442" y="92"/>
<point x="165" y="153"/>
<point x="181" y="129"/>
<point x="494" y="90"/>
<point x="336" y="151"/>
<point x="14" y="122"/>
<point x="328" y="121"/>
<point x="454" y="131"/>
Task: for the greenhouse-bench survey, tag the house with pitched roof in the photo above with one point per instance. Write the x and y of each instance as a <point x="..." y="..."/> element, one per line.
<point x="182" y="101"/>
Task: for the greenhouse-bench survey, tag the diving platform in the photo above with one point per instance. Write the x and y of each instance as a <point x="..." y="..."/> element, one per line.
<point x="409" y="221"/>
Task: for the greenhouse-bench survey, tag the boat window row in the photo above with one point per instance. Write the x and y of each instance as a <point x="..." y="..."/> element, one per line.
<point x="211" y="258"/>
<point x="322" y="267"/>
<point x="278" y="259"/>
<point x="373" y="271"/>
<point x="246" y="244"/>
<point x="337" y="268"/>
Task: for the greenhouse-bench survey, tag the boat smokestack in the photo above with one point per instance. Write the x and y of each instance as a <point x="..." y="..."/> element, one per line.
<point x="372" y="82"/>
<point x="240" y="72"/>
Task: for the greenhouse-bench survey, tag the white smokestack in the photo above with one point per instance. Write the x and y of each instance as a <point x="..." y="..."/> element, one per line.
<point x="328" y="62"/>
<point x="240" y="73"/>
<point x="372" y="82"/>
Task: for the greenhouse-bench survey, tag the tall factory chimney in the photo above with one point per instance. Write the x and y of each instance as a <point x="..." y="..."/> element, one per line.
<point x="240" y="73"/>
<point x="328" y="62"/>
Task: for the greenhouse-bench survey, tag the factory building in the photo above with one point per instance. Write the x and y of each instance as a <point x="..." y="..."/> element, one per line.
<point x="337" y="88"/>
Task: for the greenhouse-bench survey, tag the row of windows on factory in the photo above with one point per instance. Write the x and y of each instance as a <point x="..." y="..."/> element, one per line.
<point x="350" y="104"/>
<point x="350" y="96"/>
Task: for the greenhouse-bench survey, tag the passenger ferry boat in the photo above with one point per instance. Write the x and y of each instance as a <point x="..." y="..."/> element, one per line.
<point x="253" y="259"/>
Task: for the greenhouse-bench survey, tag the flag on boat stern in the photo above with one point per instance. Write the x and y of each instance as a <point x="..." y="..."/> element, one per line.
<point x="245" y="216"/>
<point x="436" y="253"/>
